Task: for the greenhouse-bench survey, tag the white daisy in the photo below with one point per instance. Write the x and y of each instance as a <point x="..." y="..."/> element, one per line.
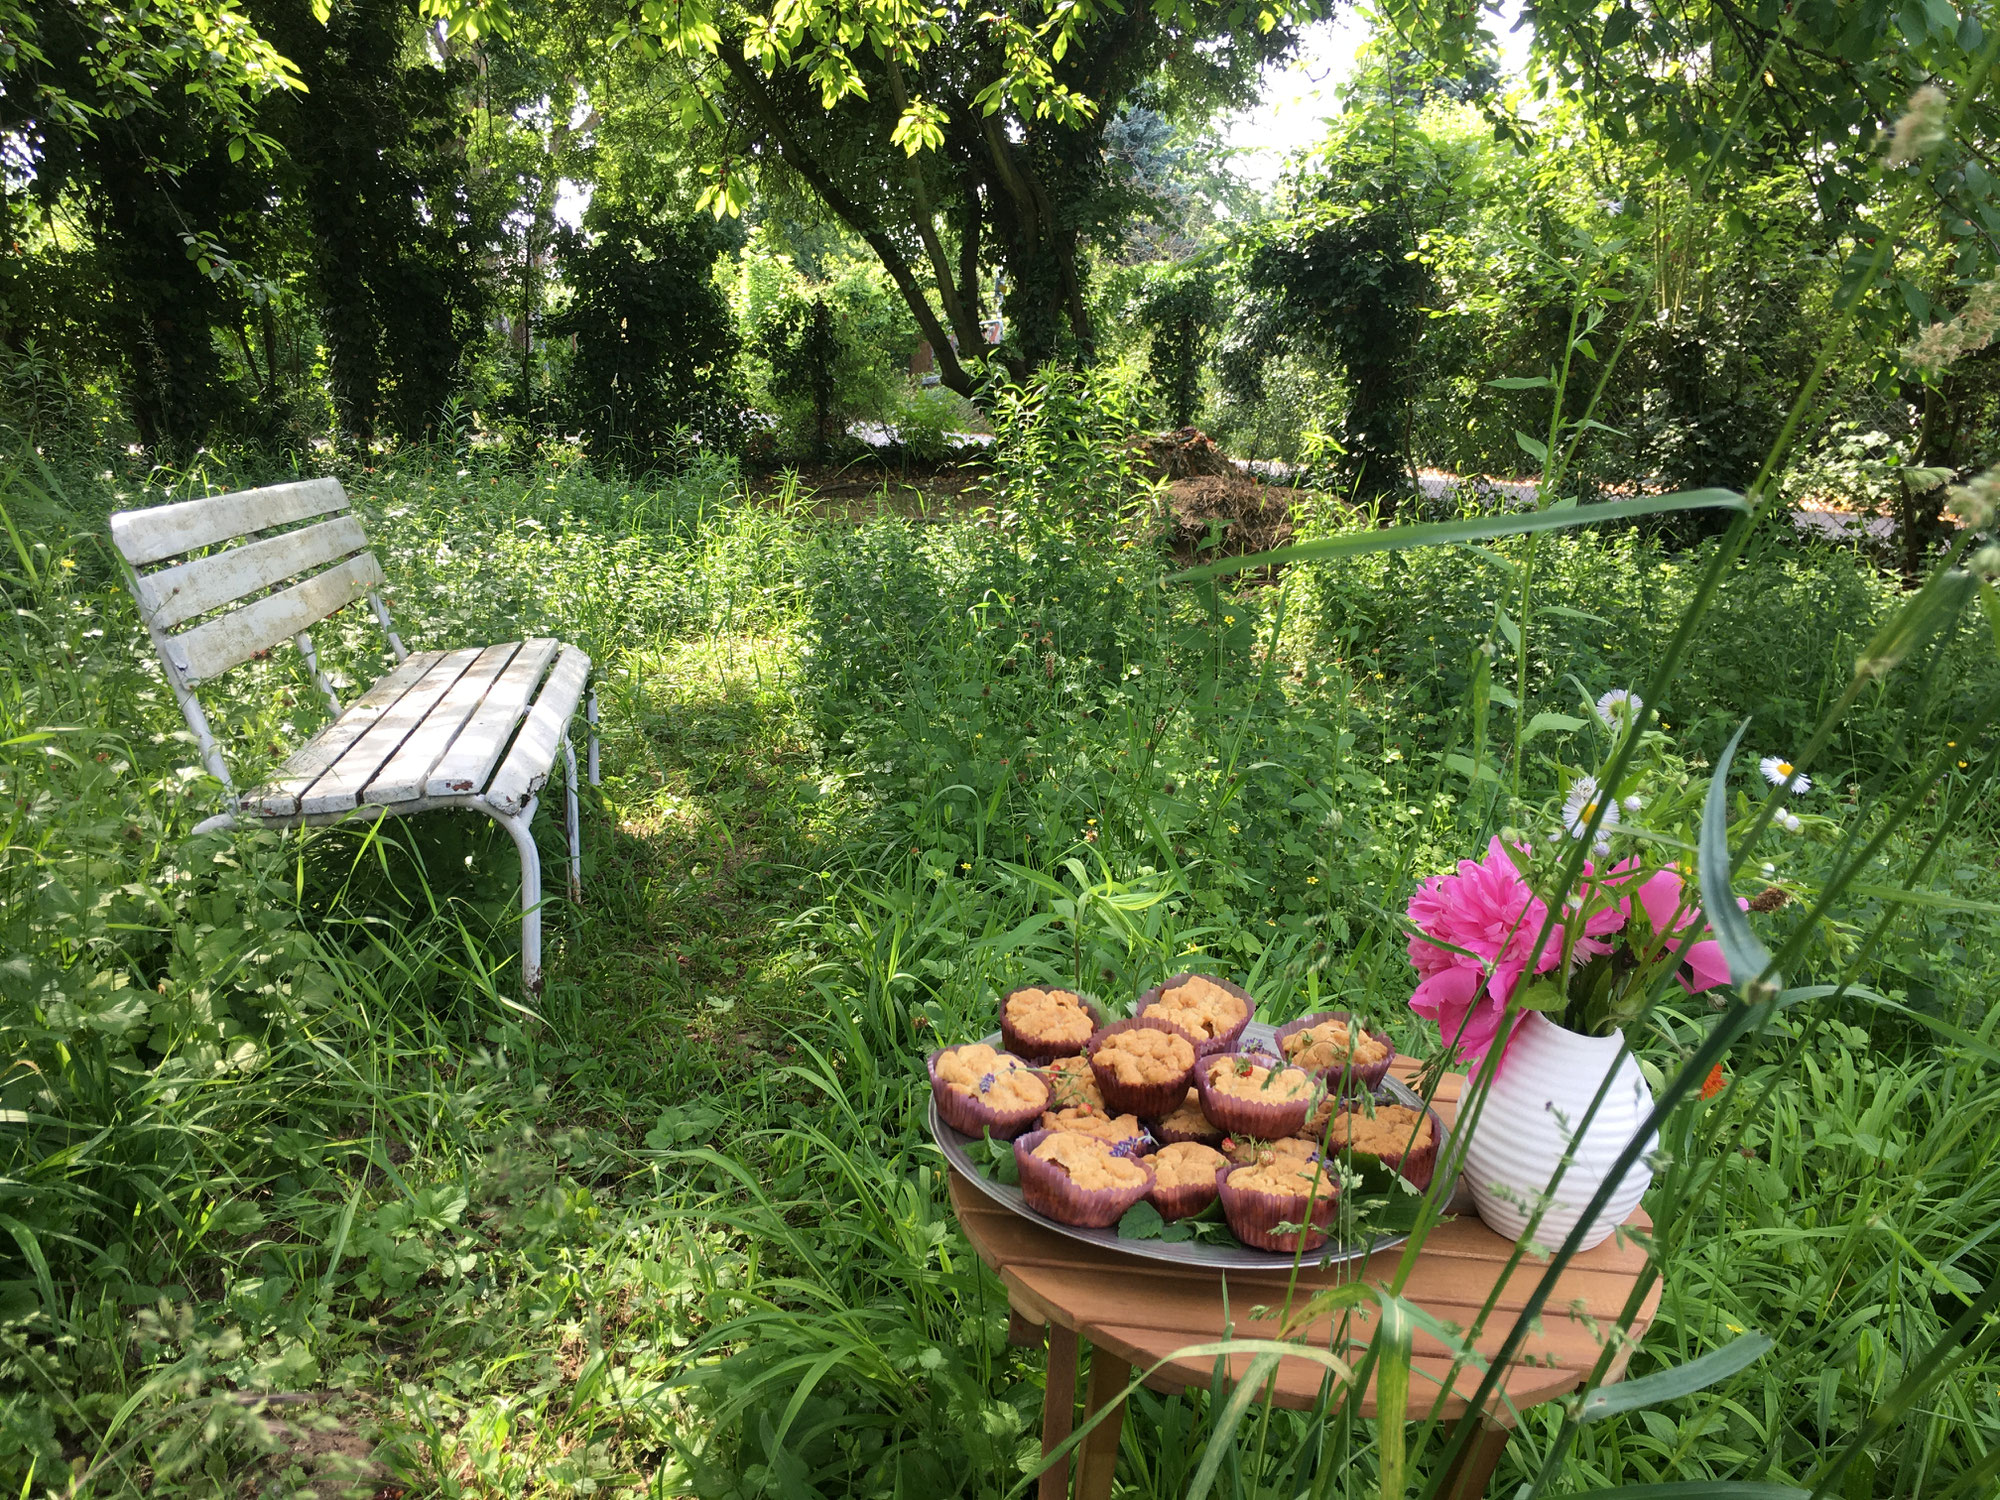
<point x="1780" y="773"/>
<point x="1620" y="705"/>
<point x="1788" y="820"/>
<point x="1632" y="803"/>
<point x="1581" y="806"/>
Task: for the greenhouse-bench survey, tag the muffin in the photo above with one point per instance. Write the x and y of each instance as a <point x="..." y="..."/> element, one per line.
<point x="1072" y="1084"/>
<point x="1212" y="1011"/>
<point x="1042" y="1025"/>
<point x="1122" y="1131"/>
<point x="979" y="1090"/>
<point x="1142" y="1066"/>
<point x="1187" y="1123"/>
<point x="1278" y="1188"/>
<point x="1246" y="1093"/>
<point x="1333" y="1045"/>
<point x="1247" y="1152"/>
<point x="1078" y="1179"/>
<point x="1184" y="1179"/>
<point x="1402" y="1139"/>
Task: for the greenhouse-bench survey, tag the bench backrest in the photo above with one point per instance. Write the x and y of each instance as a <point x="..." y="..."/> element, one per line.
<point x="227" y="577"/>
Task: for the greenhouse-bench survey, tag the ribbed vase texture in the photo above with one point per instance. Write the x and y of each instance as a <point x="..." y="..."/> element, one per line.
<point x="1530" y="1120"/>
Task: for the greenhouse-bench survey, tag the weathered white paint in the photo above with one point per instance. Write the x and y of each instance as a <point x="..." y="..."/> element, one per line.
<point x="468" y="764"/>
<point x="212" y="648"/>
<point x="345" y="780"/>
<point x="526" y="768"/>
<point x="280" y="798"/>
<point x="146" y="536"/>
<point x="403" y="778"/>
<point x="178" y="594"/>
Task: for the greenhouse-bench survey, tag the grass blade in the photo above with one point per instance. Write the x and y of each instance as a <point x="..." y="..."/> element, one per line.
<point x="1681" y="1380"/>
<point x="1747" y="956"/>
<point x="1471" y="529"/>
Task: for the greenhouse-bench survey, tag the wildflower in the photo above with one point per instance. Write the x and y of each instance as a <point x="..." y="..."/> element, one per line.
<point x="1788" y="820"/>
<point x="1581" y="808"/>
<point x="1974" y="502"/>
<point x="1620" y="706"/>
<point x="964" y="865"/>
<point x="1314" y="879"/>
<point x="1633" y="803"/>
<point x="1229" y="619"/>
<point x="1920" y="128"/>
<point x="1940" y="344"/>
<point x="1713" y="1084"/>
<point x="1779" y="772"/>
<point x="1234" y="829"/>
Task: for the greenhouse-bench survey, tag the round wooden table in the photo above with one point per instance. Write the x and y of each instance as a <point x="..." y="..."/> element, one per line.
<point x="1137" y="1312"/>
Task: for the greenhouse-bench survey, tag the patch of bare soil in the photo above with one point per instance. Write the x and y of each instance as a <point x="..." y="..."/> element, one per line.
<point x="855" y="491"/>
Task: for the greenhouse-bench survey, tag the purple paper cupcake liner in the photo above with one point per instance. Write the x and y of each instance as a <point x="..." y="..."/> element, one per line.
<point x="1183" y="1200"/>
<point x="1346" y="1078"/>
<point x="1254" y="1217"/>
<point x="1419" y="1166"/>
<point x="1148" y="1101"/>
<point x="1050" y="1191"/>
<point x="1209" y="1133"/>
<point x="1264" y="1119"/>
<point x="1204" y="1046"/>
<point x="1045" y="1052"/>
<point x="969" y="1115"/>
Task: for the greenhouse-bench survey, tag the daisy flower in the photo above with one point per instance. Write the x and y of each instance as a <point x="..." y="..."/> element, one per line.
<point x="1620" y="705"/>
<point x="1779" y="772"/>
<point x="1581" y="806"/>
<point x="1788" y="820"/>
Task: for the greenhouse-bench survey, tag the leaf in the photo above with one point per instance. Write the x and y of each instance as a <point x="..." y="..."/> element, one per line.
<point x="1535" y="448"/>
<point x="1470" y="529"/>
<point x="1471" y="772"/>
<point x="1222" y="1433"/>
<point x="1142" y="1221"/>
<point x="1619" y="26"/>
<point x="1672" y="1384"/>
<point x="1544" y="995"/>
<point x="1392" y="1394"/>
<point x="1520" y="382"/>
<point x="1562" y="723"/>
<point x="1932" y="606"/>
<point x="1746" y="955"/>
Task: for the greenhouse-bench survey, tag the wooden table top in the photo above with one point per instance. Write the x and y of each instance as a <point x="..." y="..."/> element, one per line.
<point x="1144" y="1310"/>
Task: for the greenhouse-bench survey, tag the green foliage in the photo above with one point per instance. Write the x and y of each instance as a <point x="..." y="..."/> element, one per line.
<point x="654" y="370"/>
<point x="1178" y="304"/>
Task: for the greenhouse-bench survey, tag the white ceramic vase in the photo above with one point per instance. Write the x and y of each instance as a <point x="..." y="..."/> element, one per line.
<point x="1529" y="1123"/>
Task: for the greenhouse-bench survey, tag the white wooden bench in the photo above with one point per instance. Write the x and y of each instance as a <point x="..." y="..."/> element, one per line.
<point x="227" y="578"/>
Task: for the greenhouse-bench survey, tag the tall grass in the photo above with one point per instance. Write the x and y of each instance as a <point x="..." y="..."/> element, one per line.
<point x="276" y="1127"/>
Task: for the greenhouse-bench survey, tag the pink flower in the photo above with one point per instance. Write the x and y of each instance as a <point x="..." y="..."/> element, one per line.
<point x="1487" y="910"/>
<point x="1672" y="913"/>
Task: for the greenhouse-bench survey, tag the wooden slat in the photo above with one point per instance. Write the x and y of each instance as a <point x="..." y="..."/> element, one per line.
<point x="280" y="799"/>
<point x="404" y="777"/>
<point x="177" y="594"/>
<point x="477" y="749"/>
<point x="229" y="640"/>
<point x="526" y="768"/>
<point x="145" y="536"/>
<point x="341" y="787"/>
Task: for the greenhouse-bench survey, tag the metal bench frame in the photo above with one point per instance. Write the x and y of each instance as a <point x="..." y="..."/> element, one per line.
<point x="253" y="575"/>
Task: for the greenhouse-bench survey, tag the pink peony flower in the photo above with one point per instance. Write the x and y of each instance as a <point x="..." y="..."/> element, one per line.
<point x="1671" y="912"/>
<point x="1487" y="910"/>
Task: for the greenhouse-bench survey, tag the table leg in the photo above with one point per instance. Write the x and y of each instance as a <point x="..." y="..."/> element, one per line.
<point x="1098" y="1462"/>
<point x="1472" y="1470"/>
<point x="1058" y="1410"/>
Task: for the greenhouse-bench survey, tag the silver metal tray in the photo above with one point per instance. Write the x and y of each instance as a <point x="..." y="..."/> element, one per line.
<point x="1182" y="1252"/>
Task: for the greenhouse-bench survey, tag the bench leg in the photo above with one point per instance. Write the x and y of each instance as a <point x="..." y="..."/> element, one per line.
<point x="575" y="824"/>
<point x="1472" y="1470"/>
<point x="1098" y="1462"/>
<point x="590" y="713"/>
<point x="1058" y="1410"/>
<point x="519" y="829"/>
